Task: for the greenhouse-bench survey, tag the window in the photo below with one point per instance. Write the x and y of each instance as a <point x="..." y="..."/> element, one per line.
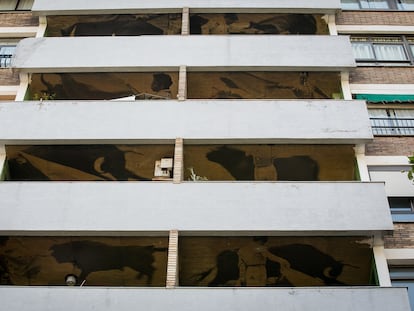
<point x="6" y="53"/>
<point x="399" y="190"/>
<point x="383" y="49"/>
<point x="403" y="5"/>
<point x="16" y="5"/>
<point x="392" y="122"/>
<point x="403" y="277"/>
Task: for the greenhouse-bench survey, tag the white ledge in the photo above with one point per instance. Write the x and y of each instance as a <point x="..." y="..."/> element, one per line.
<point x="197" y="52"/>
<point x="195" y="208"/>
<point x="196" y="121"/>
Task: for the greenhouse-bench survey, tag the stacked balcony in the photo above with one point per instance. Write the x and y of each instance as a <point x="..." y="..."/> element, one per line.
<point x="246" y="106"/>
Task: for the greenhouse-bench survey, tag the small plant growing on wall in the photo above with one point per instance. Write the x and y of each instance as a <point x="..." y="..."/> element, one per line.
<point x="44" y="96"/>
<point x="194" y="176"/>
<point x="410" y="173"/>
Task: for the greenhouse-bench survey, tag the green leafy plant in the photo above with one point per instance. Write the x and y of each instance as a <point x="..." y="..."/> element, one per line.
<point x="44" y="96"/>
<point x="410" y="173"/>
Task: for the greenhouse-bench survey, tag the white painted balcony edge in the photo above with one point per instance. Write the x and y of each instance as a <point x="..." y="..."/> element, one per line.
<point x="16" y="298"/>
<point x="193" y="208"/>
<point x="61" y="7"/>
<point x="198" y="53"/>
<point x="146" y="121"/>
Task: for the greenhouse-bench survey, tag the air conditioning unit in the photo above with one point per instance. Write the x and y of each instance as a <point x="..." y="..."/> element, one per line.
<point x="164" y="168"/>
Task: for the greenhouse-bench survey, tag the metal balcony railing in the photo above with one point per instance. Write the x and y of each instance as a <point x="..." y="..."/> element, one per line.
<point x="392" y="126"/>
<point x="6" y="53"/>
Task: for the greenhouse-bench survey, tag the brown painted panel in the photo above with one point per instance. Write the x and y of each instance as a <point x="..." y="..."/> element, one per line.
<point x="237" y="23"/>
<point x="275" y="261"/>
<point x="263" y="85"/>
<point x="85" y="162"/>
<point x="270" y="162"/>
<point x="103" y="261"/>
<point x="144" y="85"/>
<point x="113" y="25"/>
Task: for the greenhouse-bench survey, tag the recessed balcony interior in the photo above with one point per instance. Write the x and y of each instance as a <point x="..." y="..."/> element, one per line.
<point x="94" y="261"/>
<point x="270" y="162"/>
<point x="203" y="261"/>
<point x="88" y="162"/>
<point x="264" y="85"/>
<point x="113" y="25"/>
<point x="97" y="86"/>
<point x="275" y="261"/>
<point x="242" y="23"/>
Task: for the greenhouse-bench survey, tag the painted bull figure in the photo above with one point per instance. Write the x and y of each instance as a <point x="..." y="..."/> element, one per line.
<point x="91" y="256"/>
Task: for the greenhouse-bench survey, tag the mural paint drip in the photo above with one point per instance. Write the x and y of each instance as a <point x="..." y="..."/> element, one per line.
<point x="122" y="261"/>
<point x="85" y="162"/>
<point x="279" y="262"/>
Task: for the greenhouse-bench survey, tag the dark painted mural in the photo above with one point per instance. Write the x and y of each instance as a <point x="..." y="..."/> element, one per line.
<point x="85" y="162"/>
<point x="238" y="23"/>
<point x="263" y="85"/>
<point x="270" y="162"/>
<point x="105" y="261"/>
<point x="104" y="85"/>
<point x="275" y="261"/>
<point x="113" y="25"/>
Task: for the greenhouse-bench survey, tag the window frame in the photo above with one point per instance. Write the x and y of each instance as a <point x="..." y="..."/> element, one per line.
<point x="406" y="42"/>
<point x="18" y="6"/>
<point x="393" y="124"/>
<point x="393" y="5"/>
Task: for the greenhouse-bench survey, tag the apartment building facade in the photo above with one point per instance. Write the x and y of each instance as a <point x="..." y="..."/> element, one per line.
<point x="205" y="154"/>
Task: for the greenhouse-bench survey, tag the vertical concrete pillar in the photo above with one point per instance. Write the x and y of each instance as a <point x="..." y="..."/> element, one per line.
<point x="2" y="161"/>
<point x="182" y="83"/>
<point x="42" y="27"/>
<point x="172" y="263"/>
<point x="362" y="163"/>
<point x="330" y="20"/>
<point x="178" y="161"/>
<point x="23" y="87"/>
<point x="185" y="22"/>
<point x="382" y="266"/>
<point x="346" y="89"/>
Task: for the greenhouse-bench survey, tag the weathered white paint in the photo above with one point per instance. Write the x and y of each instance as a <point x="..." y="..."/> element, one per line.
<point x="36" y="298"/>
<point x="18" y="32"/>
<point x="330" y="20"/>
<point x="198" y="53"/>
<point x="196" y="208"/>
<point x="23" y="87"/>
<point x="386" y="160"/>
<point x="346" y="90"/>
<point x="382" y="88"/>
<point x="185" y="23"/>
<point x="182" y="83"/>
<point x="8" y="90"/>
<point x="42" y="27"/>
<point x="375" y="29"/>
<point x="196" y="121"/>
<point x="381" y="266"/>
<point x="178" y="160"/>
<point x="362" y="163"/>
<point x="400" y="256"/>
<point x="2" y="160"/>
<point x="61" y="7"/>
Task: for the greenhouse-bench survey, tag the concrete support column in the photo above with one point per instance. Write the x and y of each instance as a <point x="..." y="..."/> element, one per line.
<point x="42" y="27"/>
<point x="185" y="22"/>
<point x="182" y="83"/>
<point x="2" y="161"/>
<point x="172" y="263"/>
<point x="24" y="85"/>
<point x="382" y="266"/>
<point x="178" y="161"/>
<point x="330" y="20"/>
<point x="346" y="89"/>
<point x="362" y="163"/>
